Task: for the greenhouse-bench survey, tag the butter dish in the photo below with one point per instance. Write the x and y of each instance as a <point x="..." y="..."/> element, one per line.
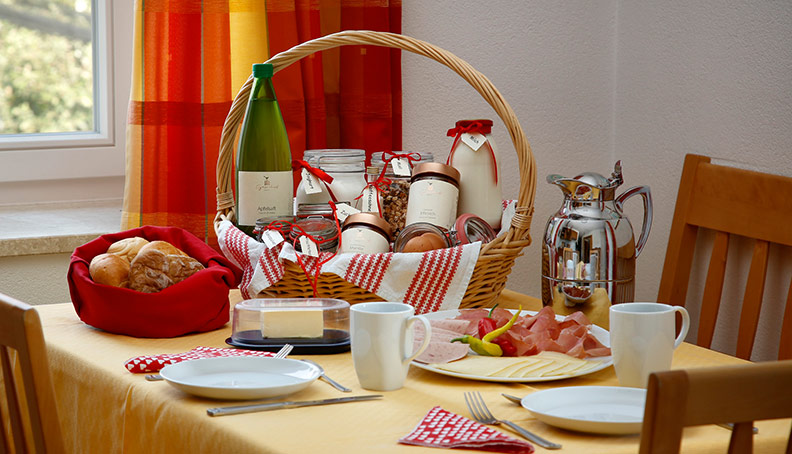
<point x="312" y="325"/>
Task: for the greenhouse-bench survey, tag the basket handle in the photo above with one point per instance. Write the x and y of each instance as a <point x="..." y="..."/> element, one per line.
<point x="521" y="222"/>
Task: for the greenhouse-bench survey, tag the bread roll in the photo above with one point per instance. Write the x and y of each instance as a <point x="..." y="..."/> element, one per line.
<point x="152" y="270"/>
<point x="164" y="247"/>
<point x="127" y="248"/>
<point x="110" y="269"/>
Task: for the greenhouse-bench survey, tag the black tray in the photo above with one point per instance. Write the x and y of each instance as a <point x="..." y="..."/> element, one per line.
<point x="334" y="341"/>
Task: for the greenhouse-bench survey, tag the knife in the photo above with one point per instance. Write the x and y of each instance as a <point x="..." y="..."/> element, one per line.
<point x="235" y="410"/>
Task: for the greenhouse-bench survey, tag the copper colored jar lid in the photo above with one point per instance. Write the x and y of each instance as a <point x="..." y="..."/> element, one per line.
<point x="369" y="219"/>
<point x="435" y="168"/>
<point x="470" y="228"/>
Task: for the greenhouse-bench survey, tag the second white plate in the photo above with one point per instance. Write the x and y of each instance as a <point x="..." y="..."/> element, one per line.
<point x="240" y="377"/>
<point x="593" y="409"/>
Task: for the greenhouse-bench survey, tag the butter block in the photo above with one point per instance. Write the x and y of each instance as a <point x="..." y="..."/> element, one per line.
<point x="294" y="323"/>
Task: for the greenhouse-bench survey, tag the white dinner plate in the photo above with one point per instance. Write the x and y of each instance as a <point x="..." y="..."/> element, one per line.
<point x="240" y="377"/>
<point x="593" y="409"/>
<point x="601" y="334"/>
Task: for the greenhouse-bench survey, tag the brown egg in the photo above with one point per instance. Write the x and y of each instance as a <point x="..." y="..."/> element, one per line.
<point x="425" y="242"/>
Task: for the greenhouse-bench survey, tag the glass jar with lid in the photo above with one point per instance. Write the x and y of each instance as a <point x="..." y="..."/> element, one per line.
<point x="365" y="233"/>
<point x="394" y="195"/>
<point x="322" y="231"/>
<point x="282" y="224"/>
<point x="434" y="192"/>
<point x="346" y="166"/>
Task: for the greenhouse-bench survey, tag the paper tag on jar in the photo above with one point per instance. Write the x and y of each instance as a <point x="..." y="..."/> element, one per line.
<point x="308" y="247"/>
<point x="368" y="203"/>
<point x="401" y="167"/>
<point x="310" y="182"/>
<point x="271" y="238"/>
<point x="474" y="141"/>
<point x="344" y="210"/>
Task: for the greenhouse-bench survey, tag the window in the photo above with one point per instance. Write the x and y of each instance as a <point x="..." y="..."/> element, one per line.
<point x="78" y="138"/>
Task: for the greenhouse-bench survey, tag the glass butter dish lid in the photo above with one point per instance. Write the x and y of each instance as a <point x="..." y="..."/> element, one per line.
<point x="313" y="326"/>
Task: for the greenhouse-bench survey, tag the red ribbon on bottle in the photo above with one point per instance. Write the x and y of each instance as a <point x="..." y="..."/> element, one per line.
<point x="470" y="127"/>
<point x="379" y="185"/>
<point x="317" y="172"/>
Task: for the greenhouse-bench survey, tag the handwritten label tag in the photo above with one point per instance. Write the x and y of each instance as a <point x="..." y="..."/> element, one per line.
<point x="401" y="167"/>
<point x="271" y="238"/>
<point x="310" y="182"/>
<point x="344" y="210"/>
<point x="474" y="141"/>
<point x="308" y="247"/>
<point x="368" y="203"/>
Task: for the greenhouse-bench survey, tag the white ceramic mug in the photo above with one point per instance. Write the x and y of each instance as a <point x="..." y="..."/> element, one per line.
<point x="642" y="339"/>
<point x="382" y="341"/>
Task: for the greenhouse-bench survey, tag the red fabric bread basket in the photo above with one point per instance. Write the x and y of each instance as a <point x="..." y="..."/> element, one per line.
<point x="197" y="304"/>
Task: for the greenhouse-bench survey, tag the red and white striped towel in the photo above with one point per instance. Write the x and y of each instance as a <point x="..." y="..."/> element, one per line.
<point x="430" y="281"/>
<point x="153" y="363"/>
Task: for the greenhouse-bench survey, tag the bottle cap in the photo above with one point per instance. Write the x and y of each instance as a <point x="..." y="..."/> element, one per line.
<point x="262" y="70"/>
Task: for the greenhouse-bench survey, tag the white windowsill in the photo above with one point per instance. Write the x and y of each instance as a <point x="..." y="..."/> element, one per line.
<point x="57" y="228"/>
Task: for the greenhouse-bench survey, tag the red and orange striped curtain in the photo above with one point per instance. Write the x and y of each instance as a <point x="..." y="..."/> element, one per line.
<point x="192" y="56"/>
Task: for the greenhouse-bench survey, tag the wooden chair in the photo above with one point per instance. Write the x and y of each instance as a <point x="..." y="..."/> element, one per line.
<point x="730" y="201"/>
<point x="31" y="400"/>
<point x="738" y="394"/>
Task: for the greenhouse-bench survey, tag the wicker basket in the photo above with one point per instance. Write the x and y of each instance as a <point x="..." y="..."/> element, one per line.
<point x="495" y="259"/>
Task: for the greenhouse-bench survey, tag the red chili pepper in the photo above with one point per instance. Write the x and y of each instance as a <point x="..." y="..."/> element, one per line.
<point x="488" y="324"/>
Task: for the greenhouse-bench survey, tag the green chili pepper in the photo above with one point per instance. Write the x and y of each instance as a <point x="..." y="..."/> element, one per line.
<point x="485" y="346"/>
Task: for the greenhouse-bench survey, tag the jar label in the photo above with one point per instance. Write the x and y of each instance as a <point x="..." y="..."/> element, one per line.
<point x="308" y="247"/>
<point x="264" y="194"/>
<point x="363" y="241"/>
<point x="271" y="238"/>
<point x="344" y="210"/>
<point x="432" y="201"/>
<point x="474" y="141"/>
<point x="401" y="167"/>
<point x="369" y="201"/>
<point x="310" y="184"/>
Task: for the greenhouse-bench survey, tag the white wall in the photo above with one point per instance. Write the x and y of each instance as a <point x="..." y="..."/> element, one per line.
<point x="594" y="82"/>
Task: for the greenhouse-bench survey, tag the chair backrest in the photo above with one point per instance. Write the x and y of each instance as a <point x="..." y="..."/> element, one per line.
<point x="739" y="394"/>
<point x="28" y="387"/>
<point x="729" y="201"/>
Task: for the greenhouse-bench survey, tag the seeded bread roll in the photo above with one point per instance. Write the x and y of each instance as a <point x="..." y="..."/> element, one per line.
<point x="127" y="248"/>
<point x="153" y="271"/>
<point x="110" y="269"/>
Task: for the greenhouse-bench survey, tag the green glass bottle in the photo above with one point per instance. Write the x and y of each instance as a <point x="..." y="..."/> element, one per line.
<point x="264" y="181"/>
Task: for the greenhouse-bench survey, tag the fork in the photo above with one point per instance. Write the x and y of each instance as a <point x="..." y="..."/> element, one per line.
<point x="481" y="413"/>
<point x="282" y="353"/>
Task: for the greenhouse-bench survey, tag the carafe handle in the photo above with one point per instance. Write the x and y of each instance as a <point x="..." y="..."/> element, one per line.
<point x="647" y="219"/>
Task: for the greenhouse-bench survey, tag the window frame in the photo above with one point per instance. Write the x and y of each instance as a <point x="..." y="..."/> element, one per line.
<point x="77" y="157"/>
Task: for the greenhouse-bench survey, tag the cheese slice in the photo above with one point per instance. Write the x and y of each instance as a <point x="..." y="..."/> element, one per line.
<point x="292" y="323"/>
<point x="541" y="365"/>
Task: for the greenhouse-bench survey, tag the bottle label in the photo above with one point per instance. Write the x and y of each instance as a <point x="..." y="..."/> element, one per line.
<point x="368" y="203"/>
<point x="432" y="201"/>
<point x="310" y="183"/>
<point x="474" y="141"/>
<point x="264" y="194"/>
<point x="401" y="167"/>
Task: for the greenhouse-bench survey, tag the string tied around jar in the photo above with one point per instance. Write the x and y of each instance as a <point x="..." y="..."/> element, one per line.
<point x="323" y="176"/>
<point x="324" y="257"/>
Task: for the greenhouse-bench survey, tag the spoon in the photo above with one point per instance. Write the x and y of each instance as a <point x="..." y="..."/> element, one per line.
<point x="324" y="377"/>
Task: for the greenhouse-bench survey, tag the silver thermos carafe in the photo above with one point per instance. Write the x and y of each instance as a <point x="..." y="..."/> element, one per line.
<point x="589" y="247"/>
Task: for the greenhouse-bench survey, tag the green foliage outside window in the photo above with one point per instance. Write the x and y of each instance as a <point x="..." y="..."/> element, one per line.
<point x="46" y="67"/>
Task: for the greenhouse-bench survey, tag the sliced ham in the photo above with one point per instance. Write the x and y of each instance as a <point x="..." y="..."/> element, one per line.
<point x="441" y="350"/>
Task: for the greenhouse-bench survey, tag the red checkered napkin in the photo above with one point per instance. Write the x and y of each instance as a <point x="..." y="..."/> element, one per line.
<point x="153" y="363"/>
<point x="443" y="429"/>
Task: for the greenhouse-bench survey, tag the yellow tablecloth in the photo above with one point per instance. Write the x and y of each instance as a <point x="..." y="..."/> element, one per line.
<point x="106" y="409"/>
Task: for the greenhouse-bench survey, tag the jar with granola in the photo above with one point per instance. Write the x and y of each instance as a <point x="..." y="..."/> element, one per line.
<point x="395" y="168"/>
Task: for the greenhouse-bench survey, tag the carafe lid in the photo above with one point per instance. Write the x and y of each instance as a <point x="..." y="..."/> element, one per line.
<point x="589" y="185"/>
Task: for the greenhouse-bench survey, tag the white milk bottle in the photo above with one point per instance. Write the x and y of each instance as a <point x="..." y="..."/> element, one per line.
<point x="475" y="156"/>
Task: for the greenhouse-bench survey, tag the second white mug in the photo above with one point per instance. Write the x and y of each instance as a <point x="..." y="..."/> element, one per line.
<point x="381" y="334"/>
<point x="642" y="339"/>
